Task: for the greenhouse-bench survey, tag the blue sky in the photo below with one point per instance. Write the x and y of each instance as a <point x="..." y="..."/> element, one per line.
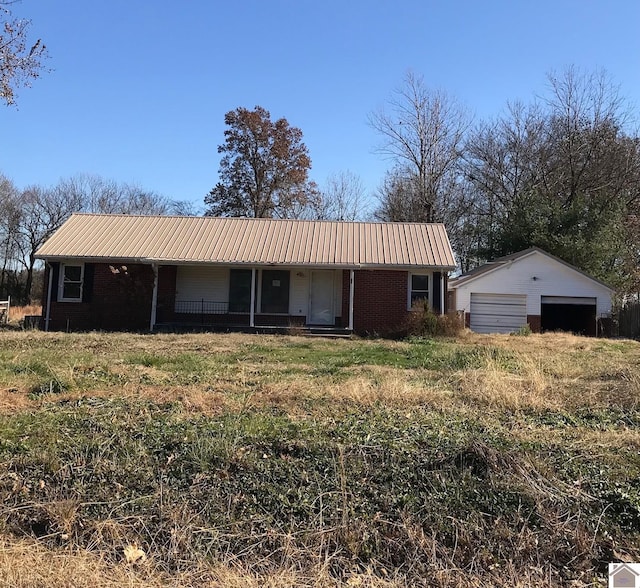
<point x="138" y="89"/>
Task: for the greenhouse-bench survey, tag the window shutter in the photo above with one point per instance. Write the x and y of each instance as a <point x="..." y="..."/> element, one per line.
<point x="435" y="296"/>
<point x="55" y="280"/>
<point x="87" y="282"/>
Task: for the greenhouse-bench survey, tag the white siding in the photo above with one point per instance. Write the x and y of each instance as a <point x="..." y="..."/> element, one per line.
<point x="337" y="284"/>
<point x="552" y="278"/>
<point x="201" y="282"/>
<point x="299" y="293"/>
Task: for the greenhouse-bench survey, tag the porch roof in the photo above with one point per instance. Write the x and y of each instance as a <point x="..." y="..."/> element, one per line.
<point x="250" y="241"/>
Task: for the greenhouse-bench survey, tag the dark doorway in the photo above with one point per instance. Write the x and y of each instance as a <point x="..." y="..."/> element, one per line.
<point x="575" y="318"/>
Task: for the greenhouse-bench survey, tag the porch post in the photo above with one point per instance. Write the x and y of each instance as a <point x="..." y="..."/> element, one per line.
<point x="442" y="293"/>
<point x="154" y="297"/>
<point x="252" y="321"/>
<point x="49" y="289"/>
<point x="351" y="290"/>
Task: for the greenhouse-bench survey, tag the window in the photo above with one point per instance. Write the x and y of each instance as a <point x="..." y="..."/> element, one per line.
<point x="418" y="288"/>
<point x="71" y="282"/>
<point x="275" y="291"/>
<point x="239" y="290"/>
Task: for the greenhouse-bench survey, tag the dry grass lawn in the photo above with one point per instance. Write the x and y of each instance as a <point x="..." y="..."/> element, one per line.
<point x="538" y="430"/>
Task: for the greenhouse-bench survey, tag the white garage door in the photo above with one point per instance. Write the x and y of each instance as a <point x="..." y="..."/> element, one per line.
<point x="498" y="313"/>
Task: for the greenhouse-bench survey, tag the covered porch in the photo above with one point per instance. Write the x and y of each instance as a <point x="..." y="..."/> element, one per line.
<point x="261" y="298"/>
<point x="276" y="298"/>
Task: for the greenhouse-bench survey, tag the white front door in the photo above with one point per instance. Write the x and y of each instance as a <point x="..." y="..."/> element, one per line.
<point x="321" y="298"/>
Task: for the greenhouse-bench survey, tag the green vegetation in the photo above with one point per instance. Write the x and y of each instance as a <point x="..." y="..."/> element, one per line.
<point x="241" y="460"/>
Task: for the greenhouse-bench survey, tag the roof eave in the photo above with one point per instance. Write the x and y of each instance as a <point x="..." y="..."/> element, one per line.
<point x="147" y="260"/>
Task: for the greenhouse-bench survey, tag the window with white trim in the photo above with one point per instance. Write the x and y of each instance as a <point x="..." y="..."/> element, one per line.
<point x="70" y="287"/>
<point x="419" y="285"/>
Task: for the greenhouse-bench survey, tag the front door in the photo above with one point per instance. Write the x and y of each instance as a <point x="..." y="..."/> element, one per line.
<point x="321" y="298"/>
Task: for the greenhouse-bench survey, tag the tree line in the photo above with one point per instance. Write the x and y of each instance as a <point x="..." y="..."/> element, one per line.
<point x="561" y="172"/>
<point x="30" y="216"/>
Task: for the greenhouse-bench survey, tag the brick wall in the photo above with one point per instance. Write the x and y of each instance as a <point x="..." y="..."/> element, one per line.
<point x="535" y="322"/>
<point x="380" y="301"/>
<point x="120" y="300"/>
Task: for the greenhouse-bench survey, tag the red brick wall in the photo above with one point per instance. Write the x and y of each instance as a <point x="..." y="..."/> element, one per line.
<point x="380" y="301"/>
<point x="535" y="322"/>
<point x="119" y="301"/>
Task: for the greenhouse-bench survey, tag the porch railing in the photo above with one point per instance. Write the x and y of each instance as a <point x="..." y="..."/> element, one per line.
<point x="201" y="307"/>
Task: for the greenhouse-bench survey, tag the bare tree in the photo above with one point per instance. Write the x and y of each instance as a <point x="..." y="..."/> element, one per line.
<point x="10" y="217"/>
<point x="422" y="132"/>
<point x="398" y="196"/>
<point x="97" y="194"/>
<point x="500" y="165"/>
<point x="20" y="60"/>
<point x="343" y="198"/>
<point x="185" y="208"/>
<point x="562" y="174"/>
<point x="29" y="217"/>
<point x="42" y="213"/>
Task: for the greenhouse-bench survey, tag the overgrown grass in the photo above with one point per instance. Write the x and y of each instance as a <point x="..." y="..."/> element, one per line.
<point x="284" y="461"/>
<point x="17" y="313"/>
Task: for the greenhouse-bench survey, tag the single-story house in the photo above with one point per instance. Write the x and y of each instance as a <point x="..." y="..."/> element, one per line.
<point x="531" y="287"/>
<point x="124" y="272"/>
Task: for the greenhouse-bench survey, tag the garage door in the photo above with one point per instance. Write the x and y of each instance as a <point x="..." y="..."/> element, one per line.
<point x="498" y="313"/>
<point x="566" y="313"/>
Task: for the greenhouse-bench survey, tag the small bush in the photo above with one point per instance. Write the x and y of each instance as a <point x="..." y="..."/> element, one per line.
<point x="423" y="322"/>
<point x="523" y="331"/>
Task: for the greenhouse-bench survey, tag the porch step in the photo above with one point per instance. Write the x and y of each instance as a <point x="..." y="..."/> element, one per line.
<point x="329" y="335"/>
<point x="332" y="332"/>
<point x="327" y="332"/>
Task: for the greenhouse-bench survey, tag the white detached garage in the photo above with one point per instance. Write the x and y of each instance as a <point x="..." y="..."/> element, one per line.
<point x="531" y="287"/>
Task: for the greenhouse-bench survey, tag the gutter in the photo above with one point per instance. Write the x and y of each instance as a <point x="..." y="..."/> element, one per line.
<point x="248" y="264"/>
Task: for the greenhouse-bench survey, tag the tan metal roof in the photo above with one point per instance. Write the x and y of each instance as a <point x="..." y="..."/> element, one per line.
<point x="172" y="239"/>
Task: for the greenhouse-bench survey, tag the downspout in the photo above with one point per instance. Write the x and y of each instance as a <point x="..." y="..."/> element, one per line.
<point x="252" y="321"/>
<point x="154" y="298"/>
<point x="351" y="292"/>
<point x="49" y="289"/>
<point x="442" y="301"/>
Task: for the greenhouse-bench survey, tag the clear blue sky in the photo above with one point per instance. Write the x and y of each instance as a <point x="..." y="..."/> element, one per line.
<point x="138" y="89"/>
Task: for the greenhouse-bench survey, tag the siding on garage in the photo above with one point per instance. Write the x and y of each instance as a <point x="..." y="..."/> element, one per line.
<point x="498" y="313"/>
<point x="535" y="275"/>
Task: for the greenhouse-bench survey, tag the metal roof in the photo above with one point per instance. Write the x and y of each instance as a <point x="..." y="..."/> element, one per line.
<point x="249" y="241"/>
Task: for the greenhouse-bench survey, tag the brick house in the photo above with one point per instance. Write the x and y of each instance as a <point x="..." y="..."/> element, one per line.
<point x="123" y="272"/>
